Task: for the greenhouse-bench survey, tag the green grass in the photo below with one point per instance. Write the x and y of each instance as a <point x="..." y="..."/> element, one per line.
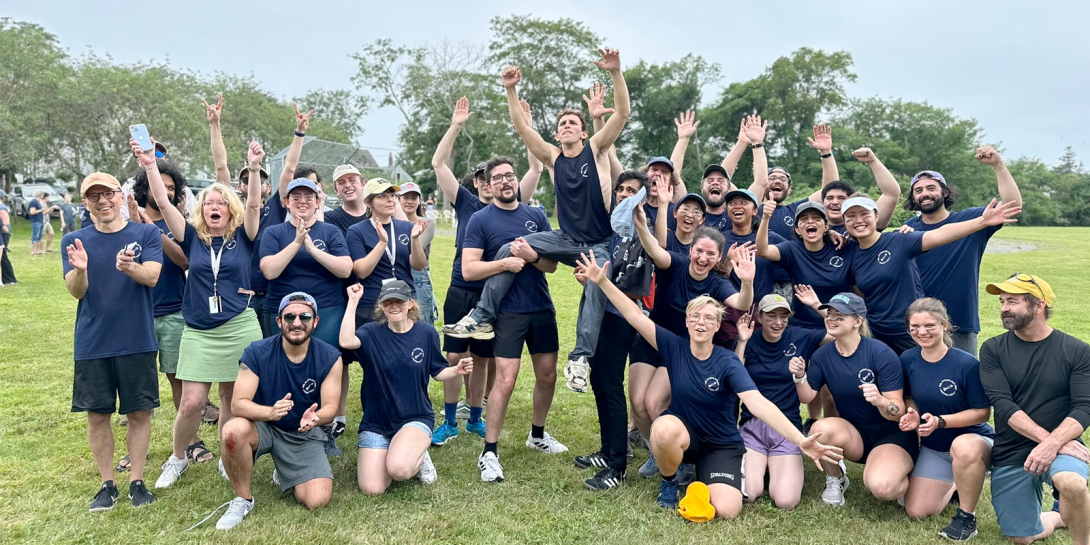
<point x="47" y="476"/>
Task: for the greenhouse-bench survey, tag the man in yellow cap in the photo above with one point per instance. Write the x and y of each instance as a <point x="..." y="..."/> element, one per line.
<point x="1038" y="380"/>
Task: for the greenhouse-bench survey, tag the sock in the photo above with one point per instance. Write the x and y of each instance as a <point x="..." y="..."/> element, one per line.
<point x="490" y="447"/>
<point x="109" y="484"/>
<point x="140" y="481"/>
<point x="537" y="432"/>
<point x="970" y="513"/>
<point x="475" y="414"/>
<point x="452" y="413"/>
<point x="340" y="419"/>
<point x="669" y="478"/>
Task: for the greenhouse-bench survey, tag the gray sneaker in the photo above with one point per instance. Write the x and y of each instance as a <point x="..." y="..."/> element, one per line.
<point x="649" y="468"/>
<point x="427" y="473"/>
<point x="236" y="511"/>
<point x="468" y="328"/>
<point x="578" y="372"/>
<point x="835" y="488"/>
<point x="172" y="471"/>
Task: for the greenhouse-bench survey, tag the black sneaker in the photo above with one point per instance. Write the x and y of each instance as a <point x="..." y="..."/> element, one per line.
<point x="955" y="499"/>
<point x="105" y="499"/>
<point x="337" y="429"/>
<point x="635" y="440"/>
<point x="590" y="460"/>
<point x="962" y="528"/>
<point x="139" y="494"/>
<point x="606" y="479"/>
<point x="806" y="426"/>
<point x="331" y="448"/>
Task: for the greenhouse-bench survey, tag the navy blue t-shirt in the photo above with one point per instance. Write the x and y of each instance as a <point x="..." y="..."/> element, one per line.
<point x="873" y="363"/>
<point x="465" y="206"/>
<point x="272" y="213"/>
<point x="303" y="272"/>
<point x="396" y="371"/>
<point x="362" y="238"/>
<point x="280" y="376"/>
<point x="675" y="287"/>
<point x="948" y="386"/>
<point x="170" y="289"/>
<point x="234" y="275"/>
<point x="839" y="229"/>
<point x="40" y="216"/>
<point x="718" y="221"/>
<point x="116" y="315"/>
<point x="951" y="272"/>
<point x="704" y="392"/>
<point x="675" y="245"/>
<point x="886" y="273"/>
<point x="579" y="206"/>
<point x="764" y="281"/>
<point x="493" y="227"/>
<point x="827" y="270"/>
<point x="652" y="213"/>
<point x="767" y="365"/>
<point x="782" y="223"/>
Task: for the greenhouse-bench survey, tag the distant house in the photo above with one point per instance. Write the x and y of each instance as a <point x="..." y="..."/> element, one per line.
<point x="325" y="156"/>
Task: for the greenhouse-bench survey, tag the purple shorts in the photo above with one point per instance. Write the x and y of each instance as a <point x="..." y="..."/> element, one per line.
<point x="762" y="439"/>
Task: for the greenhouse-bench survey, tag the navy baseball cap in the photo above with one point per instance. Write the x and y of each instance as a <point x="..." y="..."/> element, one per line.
<point x="781" y="169"/>
<point x="696" y="198"/>
<point x="304" y="183"/>
<point x="847" y="303"/>
<point x="740" y="192"/>
<point x="716" y="168"/>
<point x="298" y="297"/>
<point x="661" y="161"/>
<point x="396" y="289"/>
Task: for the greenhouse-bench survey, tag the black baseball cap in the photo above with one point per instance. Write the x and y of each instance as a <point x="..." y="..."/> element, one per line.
<point x="716" y="168"/>
<point x="480" y="168"/>
<point x="847" y="303"/>
<point x="396" y="289"/>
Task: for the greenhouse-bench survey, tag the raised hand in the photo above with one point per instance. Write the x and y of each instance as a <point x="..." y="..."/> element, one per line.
<point x="526" y="112"/>
<point x="511" y="77"/>
<point x="134" y="209"/>
<point x="143" y="156"/>
<point x="309" y="420"/>
<point x="806" y="295"/>
<point x="382" y="236"/>
<point x="819" y="452"/>
<point x="864" y="155"/>
<point x="745" y="328"/>
<point x="464" y="367"/>
<point x="255" y="154"/>
<point x="461" y="112"/>
<point x="638" y="216"/>
<point x="281" y="408"/>
<point x="302" y="120"/>
<point x="213" y="111"/>
<point x="1002" y="213"/>
<point x="513" y="264"/>
<point x="355" y="292"/>
<point x="686" y="124"/>
<point x="797" y="366"/>
<point x="742" y="138"/>
<point x="871" y="394"/>
<point x="928" y="424"/>
<point x="988" y="155"/>
<point x="745" y="268"/>
<point x="596" y="101"/>
<point x="755" y="129"/>
<point x="768" y="208"/>
<point x="822" y="140"/>
<point x="910" y="420"/>
<point x="125" y="260"/>
<point x="594" y="273"/>
<point x="418" y="228"/>
<point x="611" y="60"/>
<point x="665" y="193"/>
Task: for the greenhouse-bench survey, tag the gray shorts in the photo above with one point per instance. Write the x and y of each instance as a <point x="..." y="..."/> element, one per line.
<point x="965" y="340"/>
<point x="932" y="464"/>
<point x="299" y="457"/>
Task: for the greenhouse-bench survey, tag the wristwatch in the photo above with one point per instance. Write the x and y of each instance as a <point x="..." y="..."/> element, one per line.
<point x="942" y="421"/>
<point x="799" y="380"/>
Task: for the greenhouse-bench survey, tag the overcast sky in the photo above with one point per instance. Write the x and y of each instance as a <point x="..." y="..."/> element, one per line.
<point x="1023" y="72"/>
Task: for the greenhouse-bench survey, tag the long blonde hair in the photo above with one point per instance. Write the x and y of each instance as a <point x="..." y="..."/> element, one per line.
<point x="234" y="205"/>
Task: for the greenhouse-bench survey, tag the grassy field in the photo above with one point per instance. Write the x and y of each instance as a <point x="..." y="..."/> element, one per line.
<point x="47" y="476"/>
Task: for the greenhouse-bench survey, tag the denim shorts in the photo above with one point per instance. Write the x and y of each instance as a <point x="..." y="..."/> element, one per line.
<point x="1016" y="495"/>
<point x="932" y="464"/>
<point x="370" y="439"/>
<point x="36" y="231"/>
<point x="425" y="295"/>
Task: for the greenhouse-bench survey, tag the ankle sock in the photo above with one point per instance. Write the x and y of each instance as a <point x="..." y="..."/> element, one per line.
<point x="475" y="414"/>
<point x="537" y="432"/>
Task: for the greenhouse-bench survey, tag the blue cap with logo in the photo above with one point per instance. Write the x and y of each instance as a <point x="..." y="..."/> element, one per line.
<point x="847" y="303"/>
<point x="740" y="193"/>
<point x="302" y="182"/>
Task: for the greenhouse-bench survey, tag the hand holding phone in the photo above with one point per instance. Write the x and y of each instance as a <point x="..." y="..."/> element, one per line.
<point x="139" y="133"/>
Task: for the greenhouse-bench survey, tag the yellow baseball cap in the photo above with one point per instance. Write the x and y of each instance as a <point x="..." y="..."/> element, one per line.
<point x="1024" y="283"/>
<point x="378" y="185"/>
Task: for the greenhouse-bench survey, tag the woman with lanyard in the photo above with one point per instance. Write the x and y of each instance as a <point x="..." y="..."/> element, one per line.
<point x="949" y="410"/>
<point x="398" y="357"/>
<point x="384" y="248"/>
<point x="766" y="356"/>
<point x="699" y="426"/>
<point x="884" y="267"/>
<point x="219" y="324"/>
<point x="866" y="381"/>
<point x="677" y="281"/>
<point x="414" y="212"/>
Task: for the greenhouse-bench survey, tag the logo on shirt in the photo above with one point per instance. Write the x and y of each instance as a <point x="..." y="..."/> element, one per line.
<point x="264" y="211"/>
<point x="403" y="239"/>
<point x="791" y="350"/>
<point x="418" y="355"/>
<point x="135" y="248"/>
<point x="866" y="376"/>
<point x="319" y="244"/>
<point x="309" y="386"/>
<point x="531" y="226"/>
<point x="836" y="261"/>
<point x="883" y="257"/>
<point x="230" y="244"/>
<point x="584" y="169"/>
<point x="789" y="221"/>
<point x="727" y="476"/>
<point x="948" y="387"/>
<point x="712" y="384"/>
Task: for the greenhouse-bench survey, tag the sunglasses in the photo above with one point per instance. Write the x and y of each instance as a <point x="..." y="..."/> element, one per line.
<point x="1023" y="277"/>
<point x="160" y="154"/>
<point x="290" y="317"/>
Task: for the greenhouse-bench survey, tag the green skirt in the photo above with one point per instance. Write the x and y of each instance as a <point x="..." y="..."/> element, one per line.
<point x="211" y="355"/>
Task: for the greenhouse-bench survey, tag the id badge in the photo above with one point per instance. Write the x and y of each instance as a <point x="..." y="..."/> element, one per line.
<point x="214" y="304"/>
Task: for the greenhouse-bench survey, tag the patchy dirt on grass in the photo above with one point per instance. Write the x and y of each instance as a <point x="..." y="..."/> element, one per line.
<point x="997" y="246"/>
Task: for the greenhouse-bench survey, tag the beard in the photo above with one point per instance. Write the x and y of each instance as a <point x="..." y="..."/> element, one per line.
<point x="505" y="198"/>
<point x="930" y="207"/>
<point x="1014" y="321"/>
<point x="715" y="201"/>
<point x="296" y="342"/>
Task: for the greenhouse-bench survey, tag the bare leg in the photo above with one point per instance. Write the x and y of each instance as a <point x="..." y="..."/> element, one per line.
<point x="480" y="381"/>
<point x="971" y="455"/>
<point x="227" y="391"/>
<point x="785" y="480"/>
<point x="639" y="380"/>
<point x="314" y="493"/>
<point x="452" y="389"/>
<point x="507" y="371"/>
<point x="188" y="419"/>
<point x="837" y="432"/>
<point x="137" y="439"/>
<point x="726" y="500"/>
<point x="240" y="440"/>
<point x="491" y="377"/>
<point x="544" y="385"/>
<point x="926" y="497"/>
<point x="669" y="439"/>
<point x="406" y="454"/>
<point x="756" y="464"/>
<point x="371" y="468"/>
<point x="886" y="473"/>
<point x="1074" y="505"/>
<point x="100" y="436"/>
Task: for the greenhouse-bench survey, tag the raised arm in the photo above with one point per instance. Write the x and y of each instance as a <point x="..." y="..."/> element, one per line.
<point x="252" y="219"/>
<point x="993" y="215"/>
<point x="603" y="139"/>
<point x="534" y="142"/>
<point x="744" y="325"/>
<point x="528" y="184"/>
<point x="1008" y="189"/>
<point x="172" y="216"/>
<point x="755" y="132"/>
<point x="444" y="177"/>
<point x="597" y="112"/>
<point x="366" y="264"/>
<point x="628" y="309"/>
<point x="662" y="184"/>
<point x="291" y="160"/>
<point x="219" y="151"/>
<point x="887" y="184"/>
<point x="823" y="143"/>
<point x="797" y="368"/>
<point x="764" y="249"/>
<point x="347" y="337"/>
<point x="730" y="162"/>
<point x="650" y="244"/>
<point x="418" y="260"/>
<point x="686" y="124"/>
<point x="743" y="261"/>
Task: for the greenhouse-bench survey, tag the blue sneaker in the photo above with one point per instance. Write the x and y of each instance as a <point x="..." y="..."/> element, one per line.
<point x="443" y="434"/>
<point x="479" y="428"/>
<point x="668" y="494"/>
<point x="685" y="474"/>
<point x="649" y="468"/>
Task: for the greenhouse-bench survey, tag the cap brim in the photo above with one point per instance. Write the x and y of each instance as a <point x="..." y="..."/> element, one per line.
<point x="1000" y="288"/>
<point x="775" y="306"/>
<point x="399" y="296"/>
<point x="842" y="308"/>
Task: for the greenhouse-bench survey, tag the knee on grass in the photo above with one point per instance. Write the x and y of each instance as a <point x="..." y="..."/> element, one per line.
<point x="884" y="488"/>
<point x="372" y="489"/>
<point x="401" y="470"/>
<point x="1072" y="488"/>
<point x="315" y="494"/>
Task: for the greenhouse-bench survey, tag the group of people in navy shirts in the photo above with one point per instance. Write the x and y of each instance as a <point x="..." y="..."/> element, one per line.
<point x="730" y="307"/>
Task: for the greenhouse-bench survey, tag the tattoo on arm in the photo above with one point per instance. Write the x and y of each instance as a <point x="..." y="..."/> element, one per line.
<point x="893" y="409"/>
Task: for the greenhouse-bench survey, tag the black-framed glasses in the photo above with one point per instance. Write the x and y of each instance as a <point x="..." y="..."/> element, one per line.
<point x="94" y="197"/>
<point x="509" y="176"/>
<point x="289" y="317"/>
<point x="1026" y="277"/>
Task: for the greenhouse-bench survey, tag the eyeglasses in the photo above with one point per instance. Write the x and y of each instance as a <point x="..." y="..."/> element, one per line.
<point x="94" y="197"/>
<point x="778" y="178"/>
<point x="290" y="317"/>
<point x="698" y="318"/>
<point x="1023" y="277"/>
<point x="296" y="197"/>
<point x="509" y="176"/>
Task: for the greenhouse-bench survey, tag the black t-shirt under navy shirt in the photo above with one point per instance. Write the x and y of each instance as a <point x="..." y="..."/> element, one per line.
<point x="343" y="220"/>
<point x="303" y="272"/>
<point x="704" y="392"/>
<point x="465" y="206"/>
<point x="272" y="213"/>
<point x="947" y="386"/>
<point x="116" y="315"/>
<point x="396" y="371"/>
<point x="362" y="238"/>
<point x="767" y="364"/>
<point x="675" y="287"/>
<point x="280" y="376"/>
<point x="493" y="227"/>
<point x="872" y="363"/>
<point x="886" y="273"/>
<point x="579" y="206"/>
<point x="169" y="291"/>
<point x="234" y="275"/>
<point x="827" y="270"/>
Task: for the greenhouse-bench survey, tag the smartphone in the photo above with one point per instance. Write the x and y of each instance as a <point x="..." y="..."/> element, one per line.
<point x="140" y="134"/>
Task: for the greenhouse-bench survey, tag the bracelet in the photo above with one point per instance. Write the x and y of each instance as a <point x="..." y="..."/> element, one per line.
<point x="253" y="169"/>
<point x="758" y="145"/>
<point x="826" y="155"/>
<point x="536" y="260"/>
<point x="799" y="380"/>
<point x="300" y="134"/>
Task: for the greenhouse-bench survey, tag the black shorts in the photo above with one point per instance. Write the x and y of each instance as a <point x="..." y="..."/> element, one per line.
<point x="900" y="343"/>
<point x="716" y="464"/>
<point x="536" y="329"/>
<point x="872" y="438"/>
<point x="643" y="352"/>
<point x="97" y="385"/>
<point x="458" y="303"/>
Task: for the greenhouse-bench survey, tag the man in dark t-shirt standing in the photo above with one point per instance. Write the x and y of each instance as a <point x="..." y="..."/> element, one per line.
<point x="1038" y="380"/>
<point x="581" y="177"/>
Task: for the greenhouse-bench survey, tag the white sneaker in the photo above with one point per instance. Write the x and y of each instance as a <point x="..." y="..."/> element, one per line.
<point x="491" y="470"/>
<point x="546" y="444"/>
<point x="276" y="477"/>
<point x="236" y="511"/>
<point x="835" y="488"/>
<point x="427" y="473"/>
<point x="577" y="372"/>
<point x="172" y="470"/>
<point x="223" y="471"/>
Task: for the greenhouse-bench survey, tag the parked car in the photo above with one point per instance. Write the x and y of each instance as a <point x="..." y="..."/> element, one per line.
<point x="21" y="195"/>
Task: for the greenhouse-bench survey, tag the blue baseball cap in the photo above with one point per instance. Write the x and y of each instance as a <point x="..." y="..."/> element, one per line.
<point x="740" y="192"/>
<point x="697" y="198"/>
<point x="663" y="161"/>
<point x="847" y="303"/>
<point x="297" y="297"/>
<point x="302" y="182"/>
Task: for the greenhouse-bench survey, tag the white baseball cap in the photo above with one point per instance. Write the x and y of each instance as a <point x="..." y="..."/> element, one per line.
<point x="410" y="188"/>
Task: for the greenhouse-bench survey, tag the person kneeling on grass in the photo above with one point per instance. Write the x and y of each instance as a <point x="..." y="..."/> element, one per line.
<point x="288" y="385"/>
<point x="398" y="356"/>
<point x="699" y="425"/>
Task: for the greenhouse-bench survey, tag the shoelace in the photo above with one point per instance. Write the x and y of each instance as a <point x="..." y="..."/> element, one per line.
<point x="229" y="505"/>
